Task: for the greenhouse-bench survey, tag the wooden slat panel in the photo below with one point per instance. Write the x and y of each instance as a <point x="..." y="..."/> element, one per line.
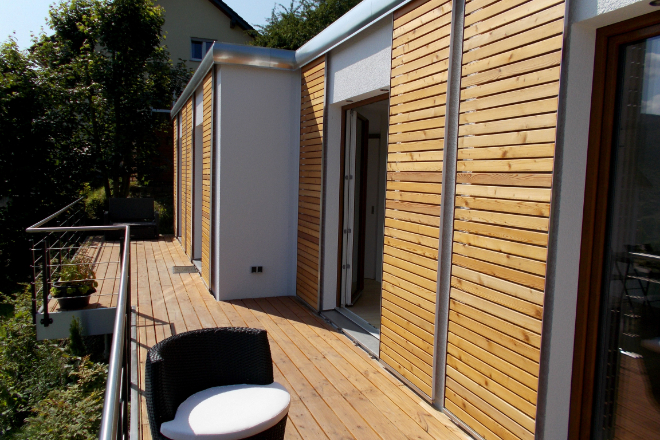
<point x="175" y="149"/>
<point x="310" y="190"/>
<point x="207" y="152"/>
<point x="507" y="123"/>
<point x="415" y="155"/>
<point x="186" y="177"/>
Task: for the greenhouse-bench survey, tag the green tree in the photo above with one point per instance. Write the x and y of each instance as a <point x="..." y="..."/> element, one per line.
<point x="106" y="57"/>
<point x="291" y="27"/>
<point x="76" y="108"/>
<point x="40" y="168"/>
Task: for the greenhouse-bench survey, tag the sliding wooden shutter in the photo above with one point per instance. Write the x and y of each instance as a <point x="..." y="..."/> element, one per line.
<point x="310" y="188"/>
<point x="420" y="50"/>
<point x="509" y="94"/>
<point x="175" y="148"/>
<point x="206" y="177"/>
<point x="186" y="177"/>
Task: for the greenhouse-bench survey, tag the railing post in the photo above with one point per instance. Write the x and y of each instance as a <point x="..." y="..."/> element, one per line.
<point x="45" y="282"/>
<point x="127" y="352"/>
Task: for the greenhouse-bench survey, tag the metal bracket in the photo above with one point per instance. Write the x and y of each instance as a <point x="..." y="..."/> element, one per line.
<point x="45" y="322"/>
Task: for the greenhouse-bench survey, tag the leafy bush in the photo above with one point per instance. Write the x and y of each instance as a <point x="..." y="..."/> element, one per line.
<point x="46" y="390"/>
<point x="73" y="412"/>
<point x="164" y="209"/>
<point x="29" y="369"/>
<point x="95" y="202"/>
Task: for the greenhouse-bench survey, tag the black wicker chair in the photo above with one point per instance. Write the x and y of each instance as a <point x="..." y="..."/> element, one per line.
<point x="185" y="364"/>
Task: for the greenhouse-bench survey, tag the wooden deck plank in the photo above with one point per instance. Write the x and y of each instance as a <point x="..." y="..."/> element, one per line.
<point x="337" y="390"/>
<point x="299" y="334"/>
<point x="311" y="391"/>
<point x="435" y="423"/>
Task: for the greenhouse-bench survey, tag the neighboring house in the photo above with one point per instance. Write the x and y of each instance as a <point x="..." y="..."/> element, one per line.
<point x="191" y="26"/>
<point x="475" y="184"/>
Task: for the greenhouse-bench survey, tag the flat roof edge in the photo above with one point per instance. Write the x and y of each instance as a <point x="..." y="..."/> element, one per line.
<point x="361" y="16"/>
<point x="237" y="54"/>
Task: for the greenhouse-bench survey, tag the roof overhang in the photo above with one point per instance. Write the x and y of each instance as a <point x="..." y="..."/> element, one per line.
<point x="354" y="21"/>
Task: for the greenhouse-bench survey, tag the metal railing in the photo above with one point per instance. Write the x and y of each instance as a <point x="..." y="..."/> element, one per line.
<point x="115" y="419"/>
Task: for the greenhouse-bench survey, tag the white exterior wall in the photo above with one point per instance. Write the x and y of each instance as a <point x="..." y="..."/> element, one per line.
<point x="362" y="64"/>
<point x="257" y="142"/>
<point x="585" y="17"/>
<point x="357" y="69"/>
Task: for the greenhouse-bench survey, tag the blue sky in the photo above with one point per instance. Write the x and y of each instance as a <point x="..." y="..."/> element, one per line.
<point x="22" y="17"/>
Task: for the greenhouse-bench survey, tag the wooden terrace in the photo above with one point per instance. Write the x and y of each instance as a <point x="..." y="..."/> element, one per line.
<point x="338" y="391"/>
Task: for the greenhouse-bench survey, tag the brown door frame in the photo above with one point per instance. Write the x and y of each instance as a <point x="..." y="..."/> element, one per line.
<point x="340" y="245"/>
<point x="608" y="42"/>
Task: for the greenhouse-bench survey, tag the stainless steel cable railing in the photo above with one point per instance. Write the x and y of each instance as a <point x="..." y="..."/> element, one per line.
<point x="115" y="419"/>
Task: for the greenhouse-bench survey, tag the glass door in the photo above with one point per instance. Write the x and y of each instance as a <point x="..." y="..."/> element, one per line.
<point x="627" y="382"/>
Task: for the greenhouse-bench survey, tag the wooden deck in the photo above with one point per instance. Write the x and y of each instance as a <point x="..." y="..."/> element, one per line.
<point x="338" y="391"/>
<point x="105" y="262"/>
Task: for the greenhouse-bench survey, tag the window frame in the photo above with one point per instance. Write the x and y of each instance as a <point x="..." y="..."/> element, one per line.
<point x="207" y="43"/>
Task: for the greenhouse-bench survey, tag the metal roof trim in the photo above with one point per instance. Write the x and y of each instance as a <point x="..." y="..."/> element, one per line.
<point x="363" y="15"/>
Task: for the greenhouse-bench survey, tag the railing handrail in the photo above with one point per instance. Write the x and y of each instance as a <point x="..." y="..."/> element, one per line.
<point x="109" y="421"/>
<point x="36" y="226"/>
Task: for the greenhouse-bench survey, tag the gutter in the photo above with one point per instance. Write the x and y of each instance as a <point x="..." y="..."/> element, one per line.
<point x="354" y="21"/>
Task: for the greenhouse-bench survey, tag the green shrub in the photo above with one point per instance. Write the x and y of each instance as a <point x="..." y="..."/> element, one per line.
<point x="72" y="413"/>
<point x="47" y="390"/>
<point x="164" y="209"/>
<point x="29" y="369"/>
<point x="94" y="202"/>
<point x="76" y="342"/>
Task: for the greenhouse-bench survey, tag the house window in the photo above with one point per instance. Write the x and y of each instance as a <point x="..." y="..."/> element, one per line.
<point x="198" y="48"/>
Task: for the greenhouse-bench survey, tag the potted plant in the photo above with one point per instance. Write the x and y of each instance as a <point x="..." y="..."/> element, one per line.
<point x="75" y="284"/>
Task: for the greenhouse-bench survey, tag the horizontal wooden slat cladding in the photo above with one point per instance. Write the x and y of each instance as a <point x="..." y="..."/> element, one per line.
<point x="176" y="177"/>
<point x="414" y="186"/>
<point x="310" y="188"/>
<point x="186" y="177"/>
<point x="507" y="127"/>
<point x="207" y="152"/>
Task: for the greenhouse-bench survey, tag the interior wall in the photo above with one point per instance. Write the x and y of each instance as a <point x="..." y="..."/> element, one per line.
<point x="585" y="17"/>
<point x="197" y="157"/>
<point x="376" y="173"/>
<point x="258" y="181"/>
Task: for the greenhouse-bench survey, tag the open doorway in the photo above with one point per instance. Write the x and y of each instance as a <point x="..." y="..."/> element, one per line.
<point x="365" y="160"/>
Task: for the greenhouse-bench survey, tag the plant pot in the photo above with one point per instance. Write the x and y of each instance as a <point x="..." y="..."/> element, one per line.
<point x="74" y="303"/>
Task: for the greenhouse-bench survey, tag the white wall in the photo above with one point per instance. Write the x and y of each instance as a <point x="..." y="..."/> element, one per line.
<point x="362" y="64"/>
<point x="585" y="17"/>
<point x="215" y="190"/>
<point x="258" y="181"/>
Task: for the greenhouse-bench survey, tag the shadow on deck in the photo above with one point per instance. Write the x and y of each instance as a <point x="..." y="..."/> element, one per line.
<point x="337" y="390"/>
